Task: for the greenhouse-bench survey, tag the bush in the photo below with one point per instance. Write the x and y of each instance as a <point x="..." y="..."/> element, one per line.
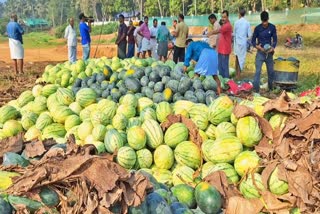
<point x="3" y="25"/>
<point x="106" y="28"/>
<point x="59" y="31"/>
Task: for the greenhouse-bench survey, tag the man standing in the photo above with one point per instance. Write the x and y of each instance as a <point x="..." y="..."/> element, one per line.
<point x="224" y="44"/>
<point x="145" y="33"/>
<point x="265" y="40"/>
<point x="71" y="37"/>
<point x="122" y="38"/>
<point x="85" y="35"/>
<point x="215" y="26"/>
<point x="15" y="31"/>
<point x="138" y="39"/>
<point x="153" y="40"/>
<point x="181" y="34"/>
<point x="242" y="33"/>
<point x="131" y="41"/>
<point x="163" y="37"/>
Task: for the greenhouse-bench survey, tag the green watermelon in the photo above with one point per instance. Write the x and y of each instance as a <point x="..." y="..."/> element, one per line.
<point x="176" y="134"/>
<point x="126" y="157"/>
<point x="136" y="137"/>
<point x="187" y="153"/>
<point x="162" y="111"/>
<point x="86" y="96"/>
<point x="154" y="133"/>
<point x="113" y="140"/>
<point x="220" y="110"/>
<point x="163" y="157"/>
<point x="144" y="158"/>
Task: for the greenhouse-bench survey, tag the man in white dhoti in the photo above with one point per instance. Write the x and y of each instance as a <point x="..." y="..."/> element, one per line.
<point x="14" y="32"/>
<point x="153" y="40"/>
<point x="242" y="32"/>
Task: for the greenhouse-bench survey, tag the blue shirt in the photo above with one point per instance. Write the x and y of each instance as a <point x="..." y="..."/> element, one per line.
<point x="15" y="31"/>
<point x="194" y="50"/>
<point x="242" y="31"/>
<point x="265" y="35"/>
<point x="84" y="33"/>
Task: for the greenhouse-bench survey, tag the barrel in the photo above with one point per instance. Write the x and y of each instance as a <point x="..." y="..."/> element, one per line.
<point x="286" y="71"/>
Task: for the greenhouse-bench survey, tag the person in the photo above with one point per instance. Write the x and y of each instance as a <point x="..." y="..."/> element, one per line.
<point x="85" y="30"/>
<point x="242" y="32"/>
<point x="146" y="36"/>
<point x="213" y="38"/>
<point x="224" y="45"/>
<point x="206" y="58"/>
<point x="15" y="32"/>
<point x="138" y="39"/>
<point x="163" y="37"/>
<point x="121" y="40"/>
<point x="265" y="40"/>
<point x="153" y="40"/>
<point x="181" y="34"/>
<point x="174" y="25"/>
<point x="131" y="42"/>
<point x="71" y="36"/>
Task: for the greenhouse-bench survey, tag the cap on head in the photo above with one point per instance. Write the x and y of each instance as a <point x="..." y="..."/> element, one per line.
<point x="264" y="16"/>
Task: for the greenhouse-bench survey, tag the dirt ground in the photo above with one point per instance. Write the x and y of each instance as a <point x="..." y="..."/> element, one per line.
<point x="36" y="59"/>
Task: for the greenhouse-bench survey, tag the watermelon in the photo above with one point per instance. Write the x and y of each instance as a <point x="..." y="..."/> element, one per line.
<point x="208" y="198"/>
<point x="32" y="133"/>
<point x="85" y="129"/>
<point x="162" y="111"/>
<point x="163" y="176"/>
<point x="86" y="96"/>
<point x="163" y="157"/>
<point x="185" y="195"/>
<point x="98" y="117"/>
<point x="28" y="120"/>
<point x="182" y="174"/>
<point x="119" y="122"/>
<point x="211" y="132"/>
<point x="127" y="110"/>
<point x="228" y="169"/>
<point x="71" y="121"/>
<point x="136" y="137"/>
<point x="129" y="99"/>
<point x="144" y="158"/>
<point x="12" y="128"/>
<point x="176" y="134"/>
<point x="276" y="185"/>
<point x="24" y="98"/>
<point x="54" y="130"/>
<point x="246" y="162"/>
<point x="248" y="131"/>
<point x="49" y="89"/>
<point x="8" y="112"/>
<point x="205" y="148"/>
<point x="43" y="120"/>
<point x="65" y="96"/>
<point x="156" y="204"/>
<point x="154" y="133"/>
<point x="126" y="157"/>
<point x="143" y="103"/>
<point x="113" y="140"/>
<point x="220" y="110"/>
<point x="60" y="113"/>
<point x="201" y="121"/>
<point x="187" y="153"/>
<point x="134" y="121"/>
<point x="224" y="150"/>
<point x="277" y="121"/>
<point x="251" y="186"/>
<point x="98" y="132"/>
<point x="148" y="113"/>
<point x="225" y="129"/>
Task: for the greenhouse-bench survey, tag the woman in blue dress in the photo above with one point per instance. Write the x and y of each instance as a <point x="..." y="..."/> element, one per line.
<point x="206" y="58"/>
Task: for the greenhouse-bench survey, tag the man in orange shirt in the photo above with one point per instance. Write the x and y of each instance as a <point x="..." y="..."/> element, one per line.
<point x="224" y="45"/>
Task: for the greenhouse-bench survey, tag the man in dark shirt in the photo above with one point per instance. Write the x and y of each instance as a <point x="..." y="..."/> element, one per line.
<point x="131" y="42"/>
<point x="122" y="38"/>
<point x="265" y="40"/>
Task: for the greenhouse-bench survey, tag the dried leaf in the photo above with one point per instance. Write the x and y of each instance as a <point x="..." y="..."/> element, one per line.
<point x="240" y="205"/>
<point x="34" y="149"/>
<point x="11" y="144"/>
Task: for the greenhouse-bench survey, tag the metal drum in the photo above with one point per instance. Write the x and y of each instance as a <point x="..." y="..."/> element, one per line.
<point x="286" y="71"/>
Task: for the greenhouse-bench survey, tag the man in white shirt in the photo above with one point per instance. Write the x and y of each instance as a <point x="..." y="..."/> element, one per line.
<point x="153" y="40"/>
<point x="138" y="39"/>
<point x="242" y="32"/>
<point x="71" y="36"/>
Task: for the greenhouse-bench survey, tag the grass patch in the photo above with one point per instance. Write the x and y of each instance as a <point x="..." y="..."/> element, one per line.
<point x="40" y="40"/>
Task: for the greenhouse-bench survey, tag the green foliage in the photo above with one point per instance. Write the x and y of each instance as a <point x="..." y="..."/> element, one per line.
<point x="3" y="25"/>
<point x="106" y="28"/>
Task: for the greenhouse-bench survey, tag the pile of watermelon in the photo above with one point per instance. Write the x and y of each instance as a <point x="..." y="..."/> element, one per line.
<point x="119" y="106"/>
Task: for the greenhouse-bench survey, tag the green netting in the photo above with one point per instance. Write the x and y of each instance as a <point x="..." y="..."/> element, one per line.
<point x="298" y="16"/>
<point x="31" y="22"/>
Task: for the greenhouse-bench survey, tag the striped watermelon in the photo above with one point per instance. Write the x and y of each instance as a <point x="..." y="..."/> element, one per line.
<point x="163" y="110"/>
<point x="126" y="157"/>
<point x="113" y="140"/>
<point x="43" y="120"/>
<point x="144" y="158"/>
<point x="225" y="149"/>
<point x="250" y="189"/>
<point x="28" y="120"/>
<point x="225" y="129"/>
<point x="119" y="122"/>
<point x="148" y="113"/>
<point x="98" y="117"/>
<point x="130" y="100"/>
<point x="277" y="186"/>
<point x="176" y="134"/>
<point x="86" y="96"/>
<point x="201" y="121"/>
<point x="49" y="89"/>
<point x="163" y="176"/>
<point x="211" y="132"/>
<point x="227" y="168"/>
<point x="98" y="132"/>
<point x="205" y="148"/>
<point x="143" y="103"/>
<point x="134" y="121"/>
<point x="182" y="175"/>
<point x="248" y="131"/>
<point x="60" y="113"/>
<point x="75" y="107"/>
<point x="126" y="110"/>
<point x="246" y="162"/>
<point x="136" y="137"/>
<point x="54" y="130"/>
<point x="199" y="108"/>
<point x="154" y="133"/>
<point x="24" y="98"/>
<point x="65" y="96"/>
<point x="108" y="107"/>
<point x="187" y="153"/>
<point x="85" y="129"/>
<point x="72" y="121"/>
<point x="163" y="157"/>
<point x="8" y="112"/>
<point x="220" y="110"/>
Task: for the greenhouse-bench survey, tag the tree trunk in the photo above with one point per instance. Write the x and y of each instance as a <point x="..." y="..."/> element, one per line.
<point x="212" y="6"/>
<point x="161" y="14"/>
<point x="221" y="2"/>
